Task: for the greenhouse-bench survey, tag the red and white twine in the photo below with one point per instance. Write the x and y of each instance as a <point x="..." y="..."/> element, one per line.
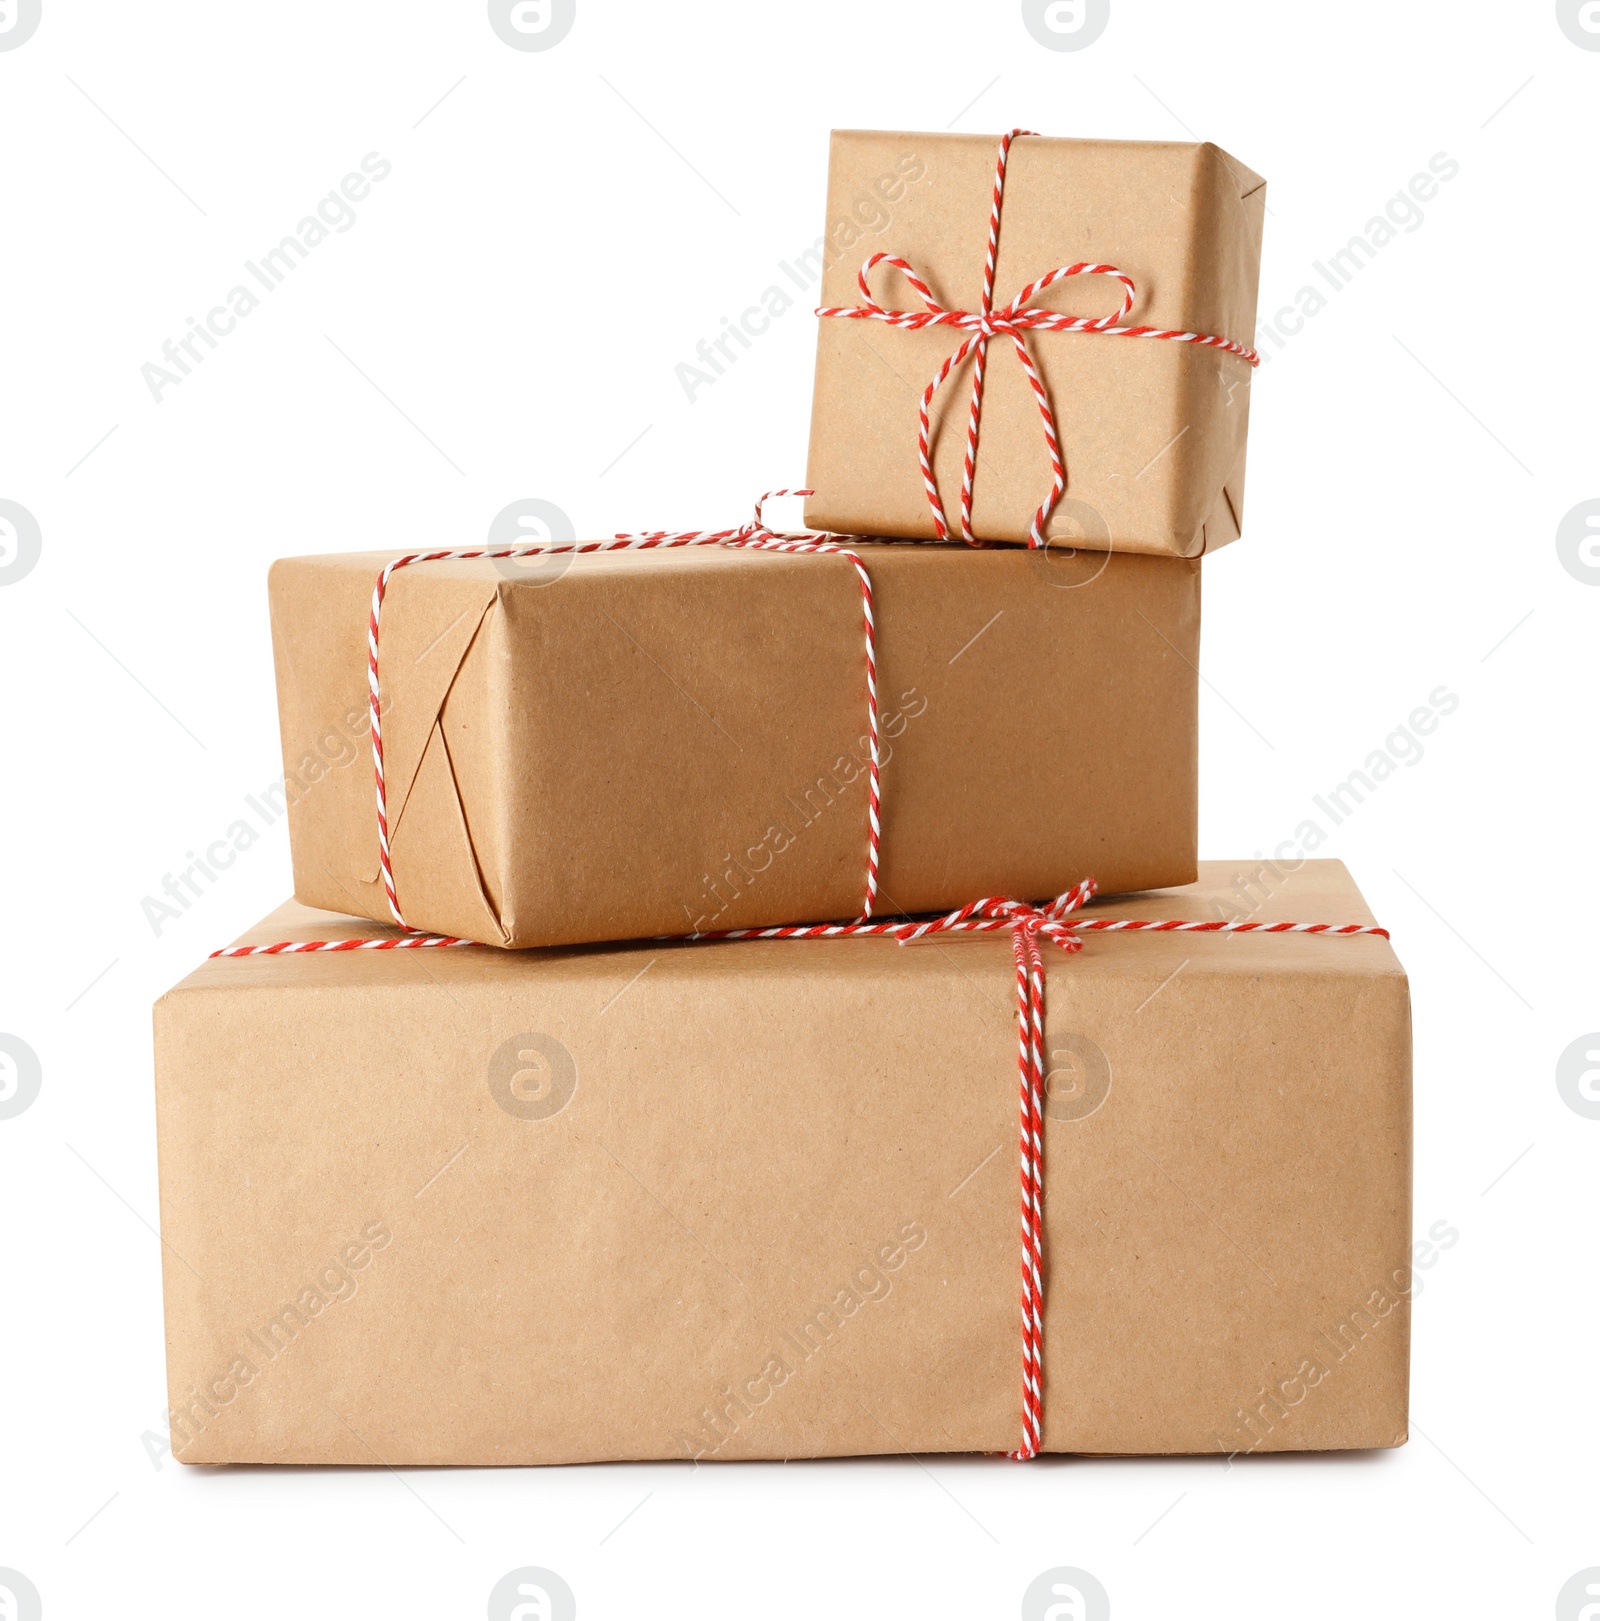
<point x="1029" y="925"/>
<point x="1013" y="321"/>
<point x="753" y="536"/>
<point x="396" y="942"/>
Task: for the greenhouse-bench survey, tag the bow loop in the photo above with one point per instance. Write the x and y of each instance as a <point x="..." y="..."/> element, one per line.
<point x="758" y="524"/>
<point x="918" y="286"/>
<point x="1050" y="321"/>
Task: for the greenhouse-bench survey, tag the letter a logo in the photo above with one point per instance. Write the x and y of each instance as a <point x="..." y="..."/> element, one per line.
<point x="532" y="1593"/>
<point x="535" y="1604"/>
<point x="1068" y="1606"/>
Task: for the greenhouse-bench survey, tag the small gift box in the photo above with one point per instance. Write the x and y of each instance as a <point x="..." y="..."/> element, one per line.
<point x="1044" y="342"/>
<point x="760" y="1198"/>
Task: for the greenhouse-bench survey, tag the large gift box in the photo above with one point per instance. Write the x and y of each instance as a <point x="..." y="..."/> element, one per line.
<point x="635" y="743"/>
<point x="759" y="1198"/>
<point x="1151" y="423"/>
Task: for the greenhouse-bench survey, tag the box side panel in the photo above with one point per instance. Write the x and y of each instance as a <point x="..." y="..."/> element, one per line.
<point x="1229" y="1175"/>
<point x="1052" y="731"/>
<point x="430" y="621"/>
<point x="689" y="751"/>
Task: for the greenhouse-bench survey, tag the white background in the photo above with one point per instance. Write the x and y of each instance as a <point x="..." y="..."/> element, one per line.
<point x="557" y="233"/>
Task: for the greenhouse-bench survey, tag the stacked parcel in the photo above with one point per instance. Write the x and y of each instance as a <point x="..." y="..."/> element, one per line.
<point x="555" y="1183"/>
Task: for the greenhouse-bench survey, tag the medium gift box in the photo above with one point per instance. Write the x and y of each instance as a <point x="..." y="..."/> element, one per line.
<point x="759" y="1198"/>
<point x="636" y="742"/>
<point x="1004" y="321"/>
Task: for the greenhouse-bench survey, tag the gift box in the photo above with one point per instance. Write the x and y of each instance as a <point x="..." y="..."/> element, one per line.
<point x="759" y="1198"/>
<point x="1151" y="424"/>
<point x="643" y="742"/>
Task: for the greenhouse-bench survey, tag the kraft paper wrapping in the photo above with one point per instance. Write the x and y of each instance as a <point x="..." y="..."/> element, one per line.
<point x="1153" y="432"/>
<point x="759" y="1199"/>
<point x="667" y="741"/>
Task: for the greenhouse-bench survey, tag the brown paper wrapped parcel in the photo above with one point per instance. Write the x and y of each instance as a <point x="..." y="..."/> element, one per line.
<point x="759" y="1199"/>
<point x="1152" y="431"/>
<point x="628" y="744"/>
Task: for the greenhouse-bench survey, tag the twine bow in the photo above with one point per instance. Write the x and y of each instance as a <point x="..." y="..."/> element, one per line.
<point x="1012" y="321"/>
